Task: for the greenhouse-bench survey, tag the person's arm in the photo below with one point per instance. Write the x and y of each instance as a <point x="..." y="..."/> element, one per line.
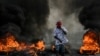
<point x="55" y="36"/>
<point x="57" y="39"/>
<point x="64" y="30"/>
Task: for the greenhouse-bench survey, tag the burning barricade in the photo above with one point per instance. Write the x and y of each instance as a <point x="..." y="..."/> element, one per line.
<point x="9" y="44"/>
<point x="90" y="43"/>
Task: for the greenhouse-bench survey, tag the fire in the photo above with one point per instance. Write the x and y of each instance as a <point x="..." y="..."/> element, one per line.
<point x="53" y="47"/>
<point x="90" y="43"/>
<point x="22" y="46"/>
<point x="40" y="45"/>
<point x="9" y="43"/>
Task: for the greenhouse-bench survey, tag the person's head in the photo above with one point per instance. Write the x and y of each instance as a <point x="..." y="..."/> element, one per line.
<point x="59" y="24"/>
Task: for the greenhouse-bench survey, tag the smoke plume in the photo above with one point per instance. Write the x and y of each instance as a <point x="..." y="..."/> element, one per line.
<point x="28" y="17"/>
<point x="11" y="19"/>
<point x="90" y="15"/>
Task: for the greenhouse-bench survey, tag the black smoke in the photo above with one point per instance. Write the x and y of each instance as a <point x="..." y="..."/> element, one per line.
<point x="90" y="15"/>
<point x="80" y="3"/>
<point x="26" y="17"/>
<point x="11" y="19"/>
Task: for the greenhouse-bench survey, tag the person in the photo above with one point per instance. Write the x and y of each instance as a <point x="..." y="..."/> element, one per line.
<point x="60" y="33"/>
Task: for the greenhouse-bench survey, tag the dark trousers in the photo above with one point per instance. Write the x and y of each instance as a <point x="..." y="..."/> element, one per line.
<point x="60" y="50"/>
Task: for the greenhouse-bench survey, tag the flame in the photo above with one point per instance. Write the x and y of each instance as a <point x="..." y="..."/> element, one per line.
<point x="9" y="43"/>
<point x="90" y="43"/>
<point x="40" y="45"/>
<point x="52" y="47"/>
<point x="22" y="46"/>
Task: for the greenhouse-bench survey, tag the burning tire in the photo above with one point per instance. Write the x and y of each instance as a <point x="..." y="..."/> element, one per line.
<point x="90" y="43"/>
